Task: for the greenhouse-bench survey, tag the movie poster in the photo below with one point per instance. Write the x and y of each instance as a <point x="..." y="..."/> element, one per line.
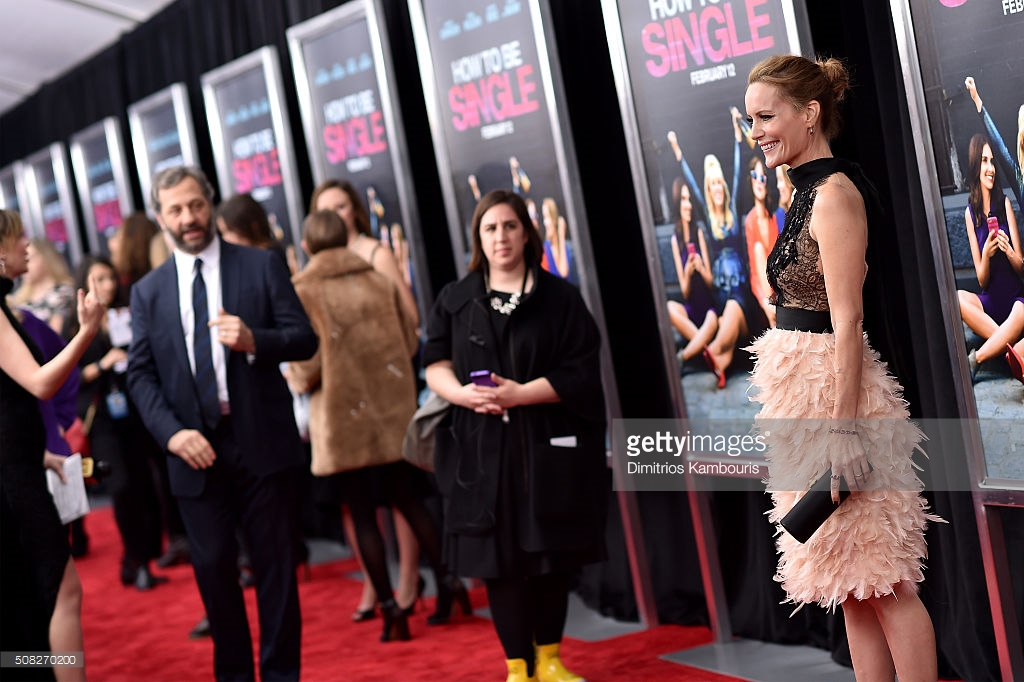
<point x="48" y="185"/>
<point x="972" y="72"/>
<point x="495" y="120"/>
<point x="251" y="139"/>
<point x="351" y="131"/>
<point x="705" y="195"/>
<point x="162" y="133"/>
<point x="9" y="182"/>
<point x="97" y="155"/>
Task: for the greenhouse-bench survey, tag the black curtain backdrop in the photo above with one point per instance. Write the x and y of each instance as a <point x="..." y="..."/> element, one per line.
<point x="191" y="37"/>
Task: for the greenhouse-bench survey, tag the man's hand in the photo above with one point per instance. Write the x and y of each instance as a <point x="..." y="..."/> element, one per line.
<point x="192" y="446"/>
<point x="233" y="332"/>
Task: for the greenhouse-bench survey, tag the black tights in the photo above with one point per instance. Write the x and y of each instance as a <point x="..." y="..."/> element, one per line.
<point x="527" y="611"/>
<point x="401" y="492"/>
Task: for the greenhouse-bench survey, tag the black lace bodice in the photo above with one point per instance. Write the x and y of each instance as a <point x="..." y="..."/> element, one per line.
<point x="794" y="265"/>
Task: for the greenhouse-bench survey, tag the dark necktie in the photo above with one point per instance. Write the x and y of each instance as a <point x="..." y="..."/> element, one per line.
<point x="206" y="377"/>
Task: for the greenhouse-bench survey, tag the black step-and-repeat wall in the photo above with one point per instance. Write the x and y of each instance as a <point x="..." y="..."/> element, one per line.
<point x="162" y="134"/>
<point x="349" y="106"/>
<point x="101" y="172"/>
<point x="252" y="144"/>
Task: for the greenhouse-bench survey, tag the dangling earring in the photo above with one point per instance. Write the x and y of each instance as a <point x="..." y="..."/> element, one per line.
<point x="3" y="266"/>
<point x="811" y="130"/>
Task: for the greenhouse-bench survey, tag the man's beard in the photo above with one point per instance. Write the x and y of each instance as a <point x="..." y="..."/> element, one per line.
<point x="180" y="242"/>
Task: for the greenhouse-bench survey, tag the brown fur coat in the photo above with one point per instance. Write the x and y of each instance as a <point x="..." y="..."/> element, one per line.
<point x="361" y="378"/>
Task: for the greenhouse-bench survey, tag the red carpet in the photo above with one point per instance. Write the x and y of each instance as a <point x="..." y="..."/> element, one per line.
<point x="133" y="636"/>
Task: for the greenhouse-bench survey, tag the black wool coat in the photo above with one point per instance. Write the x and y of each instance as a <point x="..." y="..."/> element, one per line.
<point x="550" y="334"/>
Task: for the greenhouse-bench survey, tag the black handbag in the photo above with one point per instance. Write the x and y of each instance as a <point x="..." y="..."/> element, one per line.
<point x="814" y="508"/>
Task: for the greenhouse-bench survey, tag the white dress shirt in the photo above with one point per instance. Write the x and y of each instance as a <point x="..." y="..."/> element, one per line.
<point x="185" y="264"/>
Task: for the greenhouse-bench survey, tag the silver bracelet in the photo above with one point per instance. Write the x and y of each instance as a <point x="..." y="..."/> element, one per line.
<point x="843" y="432"/>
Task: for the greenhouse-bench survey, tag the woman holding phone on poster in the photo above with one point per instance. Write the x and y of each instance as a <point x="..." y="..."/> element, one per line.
<point x="694" y="273"/>
<point x="835" y="410"/>
<point x="728" y="269"/>
<point x="996" y="314"/>
<point x="520" y="458"/>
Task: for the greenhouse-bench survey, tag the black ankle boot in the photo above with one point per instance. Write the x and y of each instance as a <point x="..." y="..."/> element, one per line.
<point x="448" y="590"/>
<point x="396" y="623"/>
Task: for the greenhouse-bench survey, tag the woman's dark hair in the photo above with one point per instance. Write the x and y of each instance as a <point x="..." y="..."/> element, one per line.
<point x="324" y="230"/>
<point x="247" y="218"/>
<point x="677" y="197"/>
<point x="533" y="250"/>
<point x="769" y="200"/>
<point x="996" y="202"/>
<point x="801" y="80"/>
<point x="359" y="208"/>
<point x="131" y="261"/>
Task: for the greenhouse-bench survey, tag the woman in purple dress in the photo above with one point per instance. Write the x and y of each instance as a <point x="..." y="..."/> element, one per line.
<point x="996" y="314"/>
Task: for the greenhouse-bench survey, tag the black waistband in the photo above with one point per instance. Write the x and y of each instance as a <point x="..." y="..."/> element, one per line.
<point x="800" y="320"/>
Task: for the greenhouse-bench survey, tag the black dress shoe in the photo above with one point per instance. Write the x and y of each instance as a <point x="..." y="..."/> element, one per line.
<point x="144" y="580"/>
<point x="177" y="553"/>
<point x="202" y="629"/>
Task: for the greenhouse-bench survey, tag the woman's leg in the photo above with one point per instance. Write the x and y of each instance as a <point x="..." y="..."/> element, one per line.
<point x="869" y="650"/>
<point x="549" y="600"/>
<point x="368" y="538"/>
<point x="731" y="325"/>
<point x="368" y="599"/>
<point x="909" y="633"/>
<point x="510" y="603"/>
<point x="1008" y="332"/>
<point x="66" y="624"/>
<point x="408" y="561"/>
<point x="974" y="315"/>
<point x="703" y="337"/>
<point x="679" y="318"/>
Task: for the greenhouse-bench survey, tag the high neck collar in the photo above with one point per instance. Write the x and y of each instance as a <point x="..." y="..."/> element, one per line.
<point x="806" y="174"/>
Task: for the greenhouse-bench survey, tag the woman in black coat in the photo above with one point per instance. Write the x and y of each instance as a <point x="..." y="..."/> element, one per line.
<point x="520" y="462"/>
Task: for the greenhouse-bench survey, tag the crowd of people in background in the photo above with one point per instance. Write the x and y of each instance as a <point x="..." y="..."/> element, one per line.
<point x="162" y="356"/>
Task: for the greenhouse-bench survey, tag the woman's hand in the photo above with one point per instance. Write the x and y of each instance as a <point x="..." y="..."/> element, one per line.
<point x="1002" y="242"/>
<point x="113" y="356"/>
<point x="90" y="312"/>
<point x="847" y="456"/>
<point x="54" y="463"/>
<point x="991" y="245"/>
<point x="481" y="399"/>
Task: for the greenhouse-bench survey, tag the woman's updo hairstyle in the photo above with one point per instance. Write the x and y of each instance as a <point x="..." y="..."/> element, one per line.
<point x="801" y="80"/>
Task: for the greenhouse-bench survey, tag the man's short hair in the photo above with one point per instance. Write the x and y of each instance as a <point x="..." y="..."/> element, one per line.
<point x="171" y="177"/>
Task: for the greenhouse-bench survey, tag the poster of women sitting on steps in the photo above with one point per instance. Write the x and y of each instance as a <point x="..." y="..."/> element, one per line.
<point x="974" y="96"/>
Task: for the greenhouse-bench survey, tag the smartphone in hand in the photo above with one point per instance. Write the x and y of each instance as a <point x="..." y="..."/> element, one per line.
<point x="482" y="377"/>
<point x="993" y="224"/>
<point x="691" y="248"/>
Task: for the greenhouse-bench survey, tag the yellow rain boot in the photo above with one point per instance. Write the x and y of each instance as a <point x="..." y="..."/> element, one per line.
<point x="517" y="671"/>
<point x="549" y="666"/>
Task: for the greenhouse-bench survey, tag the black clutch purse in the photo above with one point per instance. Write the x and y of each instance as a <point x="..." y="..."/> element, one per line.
<point x="814" y="508"/>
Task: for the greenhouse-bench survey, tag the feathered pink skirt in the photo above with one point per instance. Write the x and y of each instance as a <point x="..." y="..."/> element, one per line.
<point x="875" y="539"/>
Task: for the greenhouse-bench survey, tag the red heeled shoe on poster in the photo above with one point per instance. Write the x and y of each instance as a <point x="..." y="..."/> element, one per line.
<point x="713" y="366"/>
<point x="1015" y="362"/>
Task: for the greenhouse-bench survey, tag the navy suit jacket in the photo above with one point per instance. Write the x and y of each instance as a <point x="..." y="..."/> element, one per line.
<point x="256" y="287"/>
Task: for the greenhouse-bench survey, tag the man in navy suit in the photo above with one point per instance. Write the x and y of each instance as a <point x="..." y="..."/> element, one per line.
<point x="206" y="382"/>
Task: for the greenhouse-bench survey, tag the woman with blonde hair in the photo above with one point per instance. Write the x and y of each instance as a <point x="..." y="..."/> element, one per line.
<point x="729" y="274"/>
<point x="46" y="289"/>
<point x="834" y="409"/>
<point x="557" y="253"/>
